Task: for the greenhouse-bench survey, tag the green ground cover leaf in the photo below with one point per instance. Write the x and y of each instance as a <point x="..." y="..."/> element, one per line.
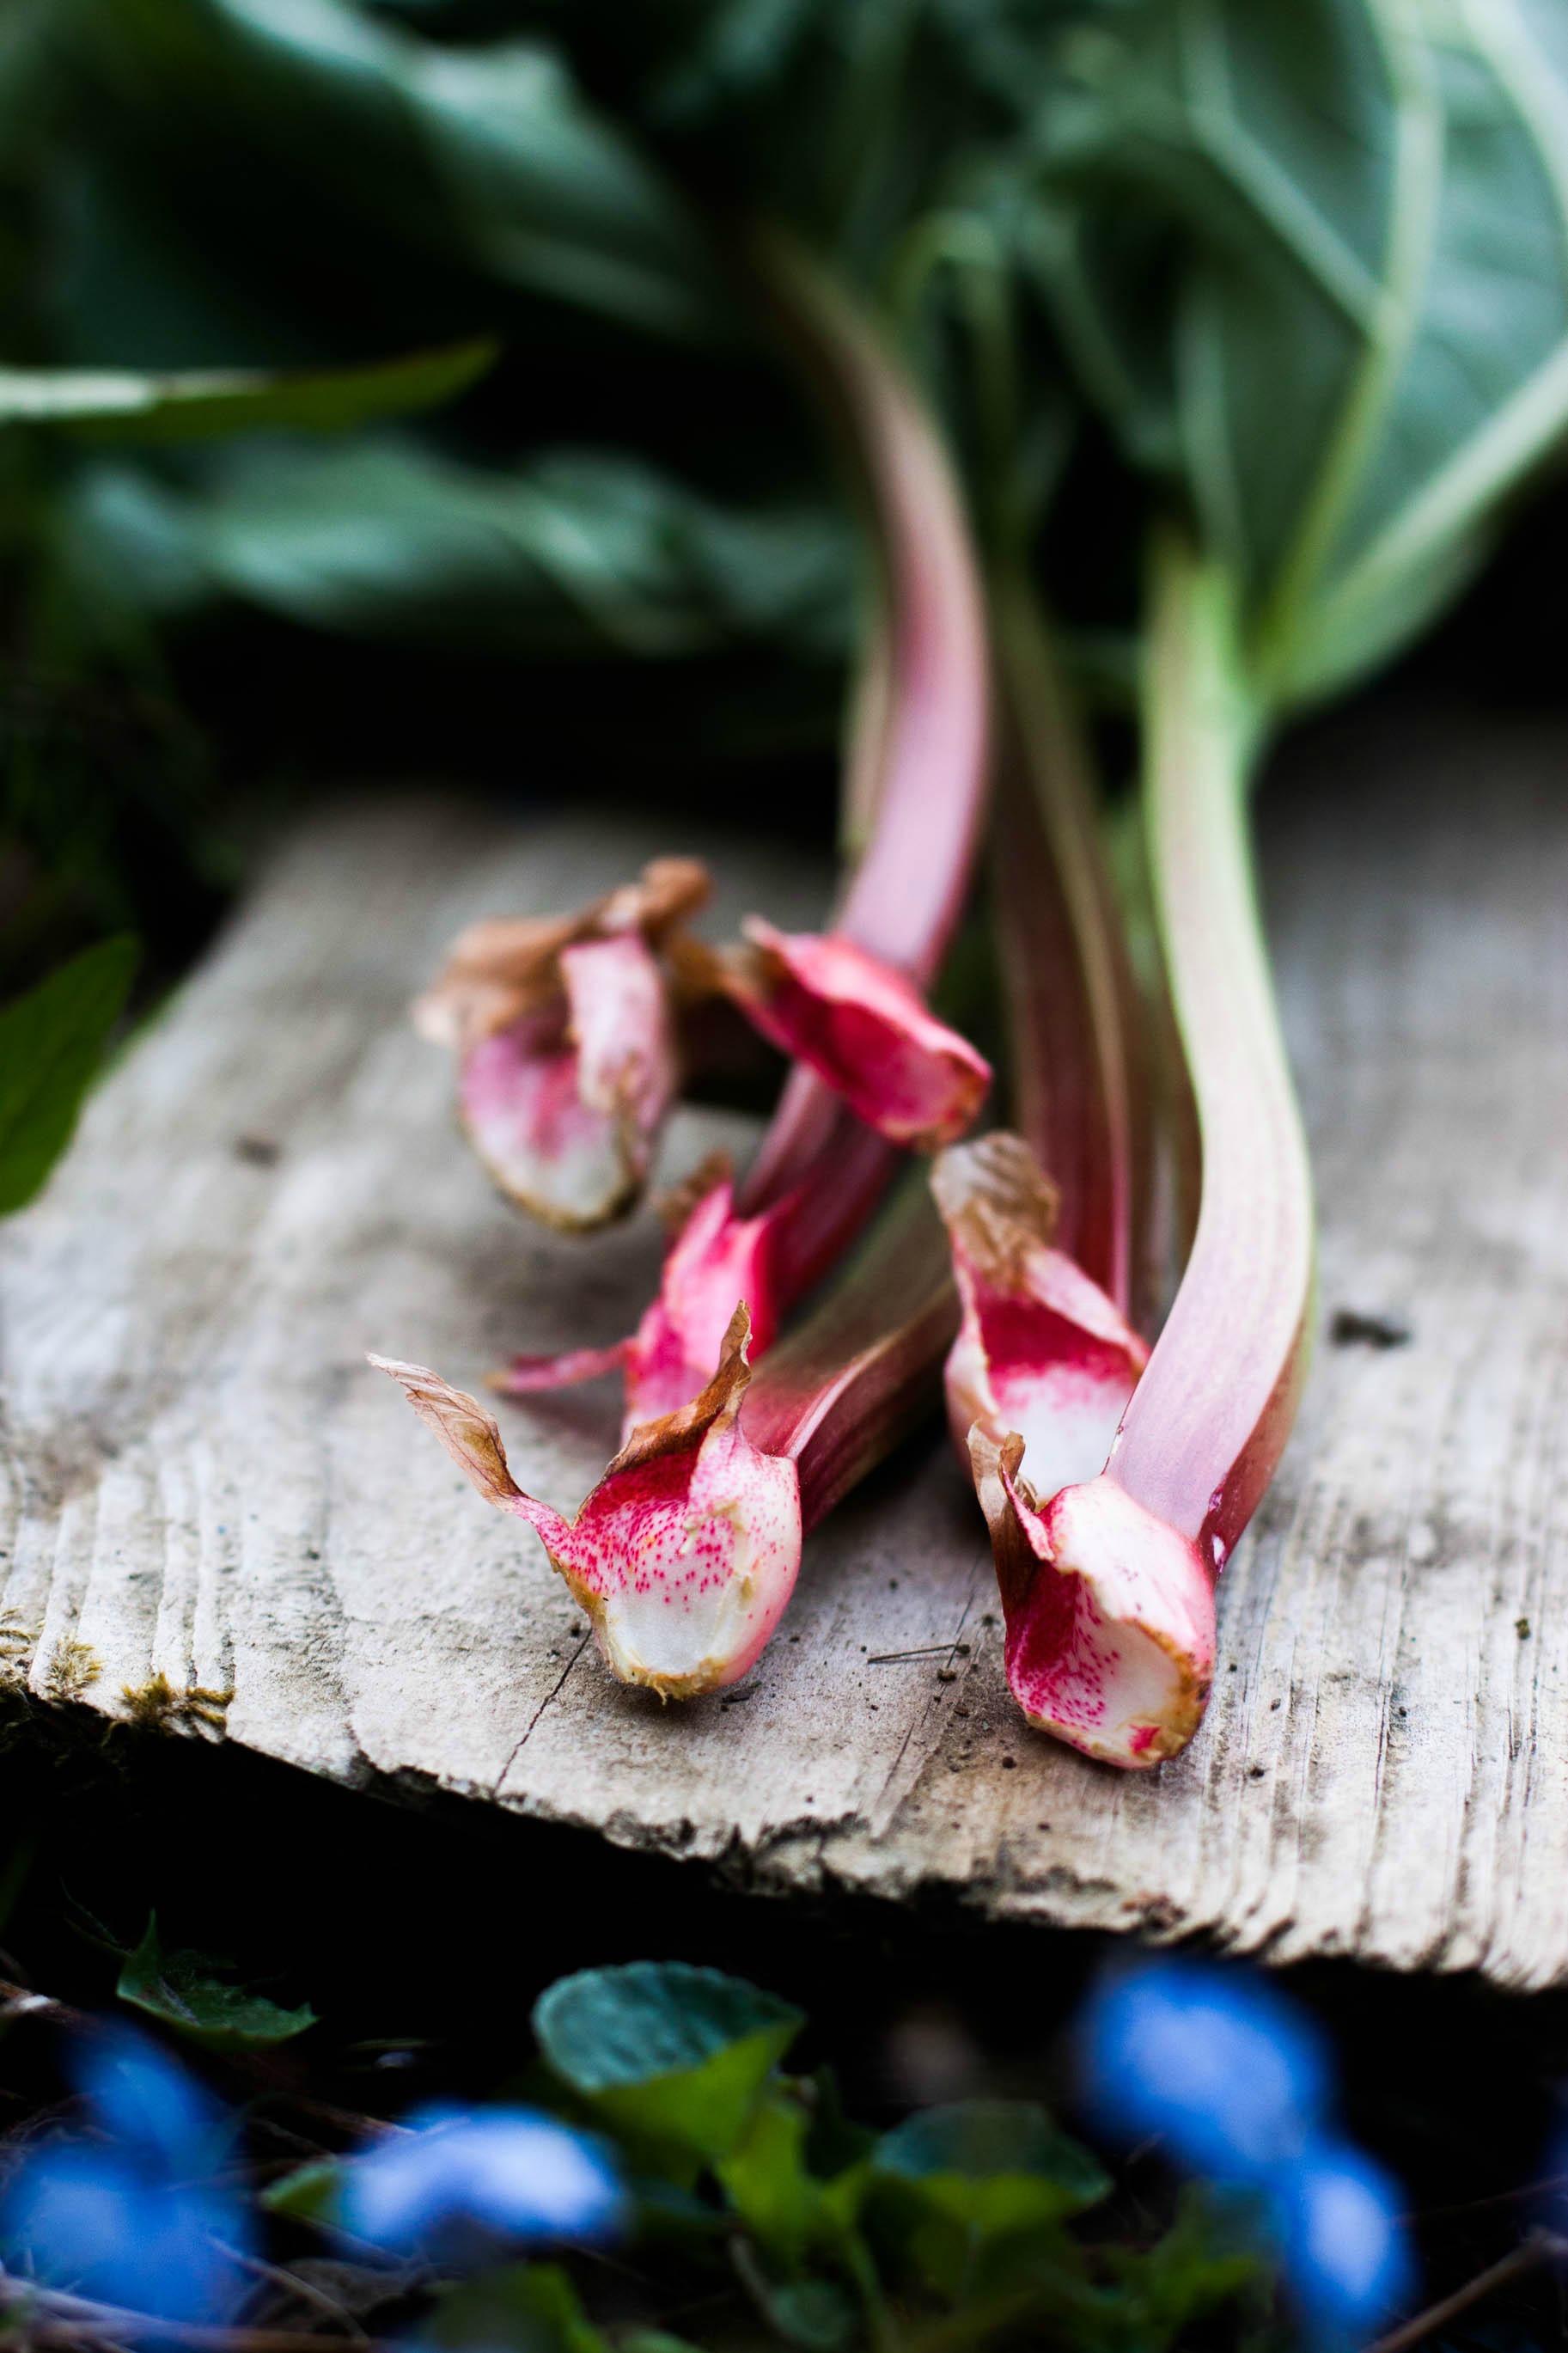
<point x="523" y="2307"/>
<point x="1208" y="2258"/>
<point x="817" y="2315"/>
<point x="308" y="2194"/>
<point x="980" y="2189"/>
<point x="51" y="1045"/>
<point x="664" y="2053"/>
<point x="193" y="1994"/>
<point x="994" y="2166"/>
<point x="776" y="2184"/>
<point x="124" y="405"/>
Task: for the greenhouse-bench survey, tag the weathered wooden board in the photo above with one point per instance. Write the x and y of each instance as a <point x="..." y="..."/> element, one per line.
<point x="204" y="1492"/>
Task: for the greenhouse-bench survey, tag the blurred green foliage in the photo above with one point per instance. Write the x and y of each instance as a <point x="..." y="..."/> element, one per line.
<point x="51" y="1041"/>
<point x="764" y="2217"/>
<point x="1301" y="273"/>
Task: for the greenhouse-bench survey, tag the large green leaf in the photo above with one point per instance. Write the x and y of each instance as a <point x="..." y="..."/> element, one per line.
<point x="51" y="1044"/>
<point x="571" y="553"/>
<point x="1313" y="264"/>
<point x="119" y="403"/>
<point x="492" y="151"/>
<point x="1481" y="394"/>
<point x="665" y="2053"/>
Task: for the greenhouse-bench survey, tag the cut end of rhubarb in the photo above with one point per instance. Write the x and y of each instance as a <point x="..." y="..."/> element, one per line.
<point x="1109" y="1613"/>
<point x="1041" y="1350"/>
<point x="687" y="1549"/>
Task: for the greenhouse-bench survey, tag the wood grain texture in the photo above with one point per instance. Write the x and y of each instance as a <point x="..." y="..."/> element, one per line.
<point x="213" y="1515"/>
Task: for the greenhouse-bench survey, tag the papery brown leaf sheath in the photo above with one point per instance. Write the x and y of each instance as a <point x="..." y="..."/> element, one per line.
<point x="1042" y="1351"/>
<point x="684" y="1554"/>
<point x="715" y="1258"/>
<point x="505" y="966"/>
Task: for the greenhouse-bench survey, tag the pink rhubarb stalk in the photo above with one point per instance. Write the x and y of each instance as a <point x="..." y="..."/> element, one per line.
<point x="920" y="771"/>
<point x="1109" y="1584"/>
<point x="846" y="1004"/>
<point x="1080" y="1062"/>
<point x="686" y="1553"/>
<point x="565" y="1039"/>
<point x="716" y="1259"/>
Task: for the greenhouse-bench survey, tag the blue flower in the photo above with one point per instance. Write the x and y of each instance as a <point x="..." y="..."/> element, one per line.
<point x="143" y="2099"/>
<point x="461" y="2184"/>
<point x="1214" y="2063"/>
<point x="1237" y="2084"/>
<point x="1335" y="2219"/>
<point x="128" y="2219"/>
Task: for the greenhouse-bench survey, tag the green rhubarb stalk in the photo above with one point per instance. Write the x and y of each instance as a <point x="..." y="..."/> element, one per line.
<point x="1210" y="1414"/>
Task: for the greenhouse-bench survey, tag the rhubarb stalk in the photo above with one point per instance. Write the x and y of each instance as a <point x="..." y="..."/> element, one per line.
<point x="846" y="1004"/>
<point x="1108" y="1584"/>
<point x="1079" y="1068"/>
<point x="686" y="1553"/>
<point x="1211" y="1415"/>
<point x="818" y="1172"/>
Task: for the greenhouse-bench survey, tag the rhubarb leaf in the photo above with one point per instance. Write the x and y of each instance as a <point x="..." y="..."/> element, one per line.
<point x="51" y="1045"/>
<point x="191" y="1993"/>
<point x="572" y="552"/>
<point x="1315" y="267"/>
<point x="487" y="156"/>
<point x="665" y="2054"/>
<point x="121" y="405"/>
